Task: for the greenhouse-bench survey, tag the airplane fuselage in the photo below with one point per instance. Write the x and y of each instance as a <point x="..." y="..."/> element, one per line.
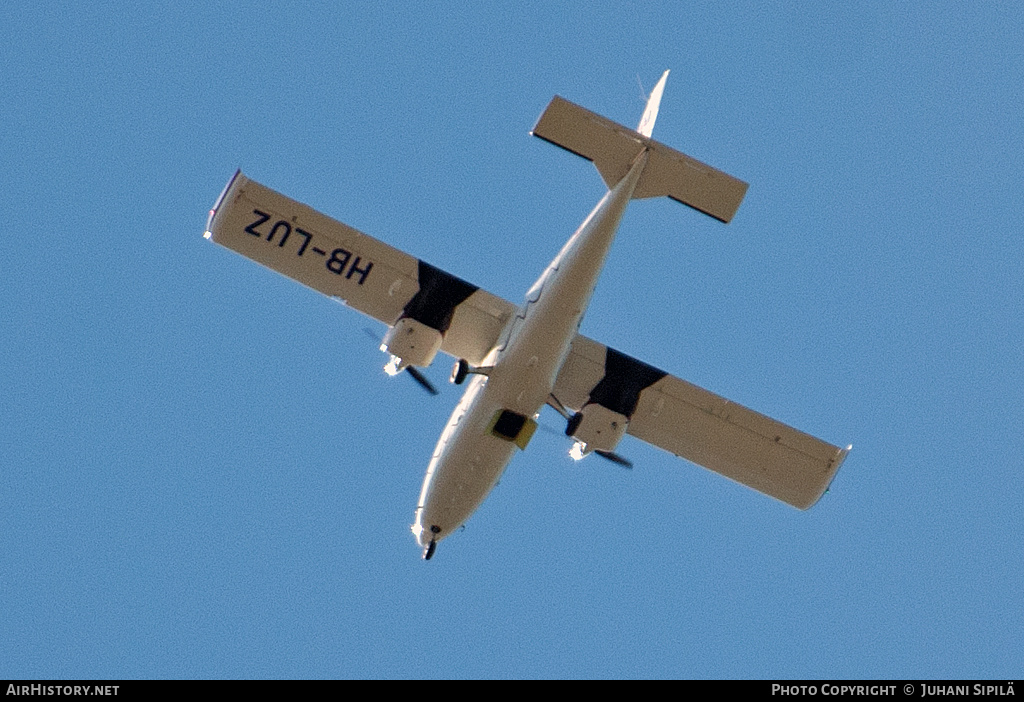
<point x="519" y="358"/>
<point x="519" y="373"/>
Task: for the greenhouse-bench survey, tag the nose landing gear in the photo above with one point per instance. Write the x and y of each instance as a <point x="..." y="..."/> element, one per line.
<point x="428" y="552"/>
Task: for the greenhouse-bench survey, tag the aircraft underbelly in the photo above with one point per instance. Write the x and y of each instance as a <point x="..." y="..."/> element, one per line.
<point x="469" y="458"/>
<point x="522" y="357"/>
<point x="465" y="467"/>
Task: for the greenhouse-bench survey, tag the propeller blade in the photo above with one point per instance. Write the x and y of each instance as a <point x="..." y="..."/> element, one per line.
<point x="421" y="379"/>
<point x="615" y="458"/>
<point x="547" y="428"/>
<point x="554" y="403"/>
<point x="413" y="373"/>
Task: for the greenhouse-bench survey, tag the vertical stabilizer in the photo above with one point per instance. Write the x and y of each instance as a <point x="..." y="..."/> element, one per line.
<point x="646" y="126"/>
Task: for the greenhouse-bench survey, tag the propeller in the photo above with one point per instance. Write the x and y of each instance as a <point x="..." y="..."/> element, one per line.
<point x="421" y="379"/>
<point x="411" y="370"/>
<point x="615" y="458"/>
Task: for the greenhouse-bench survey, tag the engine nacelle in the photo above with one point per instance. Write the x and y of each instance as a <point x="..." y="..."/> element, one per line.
<point x="412" y="343"/>
<point x="597" y="428"/>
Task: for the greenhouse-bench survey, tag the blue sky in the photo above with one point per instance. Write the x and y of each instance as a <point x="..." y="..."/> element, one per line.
<point x="204" y="472"/>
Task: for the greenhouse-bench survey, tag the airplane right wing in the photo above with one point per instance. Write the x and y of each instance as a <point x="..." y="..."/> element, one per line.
<point x="700" y="426"/>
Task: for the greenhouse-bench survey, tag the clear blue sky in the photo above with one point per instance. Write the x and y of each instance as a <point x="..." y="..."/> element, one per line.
<point x="204" y="472"/>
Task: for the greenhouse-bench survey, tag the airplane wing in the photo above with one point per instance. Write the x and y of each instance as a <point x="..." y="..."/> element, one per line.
<point x="386" y="284"/>
<point x="364" y="273"/>
<point x="698" y="425"/>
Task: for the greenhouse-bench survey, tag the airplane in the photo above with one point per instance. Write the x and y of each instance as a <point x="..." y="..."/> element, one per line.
<point x="519" y="358"/>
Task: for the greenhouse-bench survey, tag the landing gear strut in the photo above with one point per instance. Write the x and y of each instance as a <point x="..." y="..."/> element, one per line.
<point x="461" y="369"/>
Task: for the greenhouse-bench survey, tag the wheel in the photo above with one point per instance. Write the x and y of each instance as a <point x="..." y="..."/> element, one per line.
<point x="459" y="371"/>
<point x="574" y="424"/>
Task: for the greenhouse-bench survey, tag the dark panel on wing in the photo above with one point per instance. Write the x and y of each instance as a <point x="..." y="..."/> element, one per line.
<point x="624" y="379"/>
<point x="440" y="293"/>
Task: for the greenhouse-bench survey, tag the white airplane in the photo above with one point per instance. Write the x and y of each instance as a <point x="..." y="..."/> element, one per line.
<point x="527" y="356"/>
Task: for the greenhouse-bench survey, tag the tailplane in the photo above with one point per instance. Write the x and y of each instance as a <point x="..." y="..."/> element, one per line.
<point x="613" y="148"/>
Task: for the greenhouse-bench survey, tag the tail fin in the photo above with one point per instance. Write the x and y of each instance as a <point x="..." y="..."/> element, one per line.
<point x="646" y="126"/>
<point x="613" y="148"/>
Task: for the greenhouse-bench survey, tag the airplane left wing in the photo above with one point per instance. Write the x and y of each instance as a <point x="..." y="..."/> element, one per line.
<point x="700" y="426"/>
<point x="364" y="273"/>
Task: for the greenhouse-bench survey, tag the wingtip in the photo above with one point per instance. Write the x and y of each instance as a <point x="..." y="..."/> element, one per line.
<point x="837" y="462"/>
<point x="840" y="457"/>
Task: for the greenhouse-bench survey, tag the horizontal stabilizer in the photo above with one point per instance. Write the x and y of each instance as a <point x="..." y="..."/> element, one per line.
<point x="613" y="148"/>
